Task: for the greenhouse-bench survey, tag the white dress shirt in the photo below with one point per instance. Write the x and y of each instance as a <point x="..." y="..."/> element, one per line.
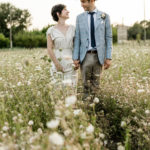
<point x="89" y="25"/>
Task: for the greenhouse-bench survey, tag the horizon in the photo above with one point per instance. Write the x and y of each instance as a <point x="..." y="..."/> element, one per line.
<point x="118" y="13"/>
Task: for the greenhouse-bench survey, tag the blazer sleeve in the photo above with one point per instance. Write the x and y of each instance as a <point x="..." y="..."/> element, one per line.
<point x="76" y="50"/>
<point x="108" y="38"/>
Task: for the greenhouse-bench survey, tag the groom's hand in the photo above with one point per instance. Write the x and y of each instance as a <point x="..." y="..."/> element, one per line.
<point x="77" y="64"/>
<point x="107" y="63"/>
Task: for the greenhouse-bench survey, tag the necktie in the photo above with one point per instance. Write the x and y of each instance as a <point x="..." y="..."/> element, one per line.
<point x="92" y="30"/>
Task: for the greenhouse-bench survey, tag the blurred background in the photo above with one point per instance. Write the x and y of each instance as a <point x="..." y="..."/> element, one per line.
<point x="28" y="20"/>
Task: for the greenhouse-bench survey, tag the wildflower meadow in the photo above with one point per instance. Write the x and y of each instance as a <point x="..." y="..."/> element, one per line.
<point x="38" y="113"/>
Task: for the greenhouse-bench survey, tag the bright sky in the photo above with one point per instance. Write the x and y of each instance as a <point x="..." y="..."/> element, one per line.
<point x="126" y="11"/>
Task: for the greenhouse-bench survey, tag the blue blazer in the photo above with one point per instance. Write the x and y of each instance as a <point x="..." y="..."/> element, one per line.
<point x="103" y="37"/>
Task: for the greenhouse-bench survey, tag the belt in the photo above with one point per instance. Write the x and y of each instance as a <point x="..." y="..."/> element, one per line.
<point x="92" y="51"/>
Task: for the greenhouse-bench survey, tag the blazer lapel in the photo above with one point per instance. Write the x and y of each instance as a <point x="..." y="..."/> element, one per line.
<point x="98" y="19"/>
<point x="86" y="22"/>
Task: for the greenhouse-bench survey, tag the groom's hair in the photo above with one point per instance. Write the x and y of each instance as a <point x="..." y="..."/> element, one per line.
<point x="90" y="0"/>
<point x="57" y="9"/>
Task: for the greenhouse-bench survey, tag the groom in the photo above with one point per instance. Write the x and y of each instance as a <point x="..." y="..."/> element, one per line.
<point x="92" y="45"/>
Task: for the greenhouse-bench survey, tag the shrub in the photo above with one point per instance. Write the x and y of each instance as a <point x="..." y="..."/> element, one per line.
<point x="4" y="42"/>
<point x="114" y="30"/>
<point x="30" y="39"/>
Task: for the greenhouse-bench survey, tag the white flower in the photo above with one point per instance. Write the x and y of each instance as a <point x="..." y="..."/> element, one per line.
<point x="67" y="132"/>
<point x="123" y="124"/>
<point x="56" y="139"/>
<point x="30" y="123"/>
<point x="10" y="96"/>
<point x="90" y="129"/>
<point x="39" y="131"/>
<point x="145" y="101"/>
<point x="19" y="83"/>
<point x="38" y="68"/>
<point x="92" y="105"/>
<point x="38" y="93"/>
<point x="22" y="132"/>
<point x="70" y="100"/>
<point x="5" y="128"/>
<point x="81" y="126"/>
<point x="14" y="118"/>
<point x="4" y="135"/>
<point x="77" y="112"/>
<point x="83" y="135"/>
<point x="1" y="78"/>
<point x="57" y="113"/>
<point x="147" y="112"/>
<point x="29" y="83"/>
<point x="140" y="91"/>
<point x="20" y="121"/>
<point x="53" y="124"/>
<point x="120" y="147"/>
<point x="103" y="15"/>
<point x="102" y="136"/>
<point x="96" y="100"/>
<point x="139" y="130"/>
<point x="134" y="110"/>
<point x="105" y="142"/>
<point x="19" y="115"/>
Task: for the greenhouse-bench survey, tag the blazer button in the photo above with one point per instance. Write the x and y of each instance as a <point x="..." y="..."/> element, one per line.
<point x="86" y="47"/>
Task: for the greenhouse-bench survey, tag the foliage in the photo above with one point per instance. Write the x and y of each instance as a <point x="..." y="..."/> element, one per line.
<point x="16" y="18"/>
<point x="114" y="31"/>
<point x="137" y="30"/>
<point x="4" y="42"/>
<point x="30" y="39"/>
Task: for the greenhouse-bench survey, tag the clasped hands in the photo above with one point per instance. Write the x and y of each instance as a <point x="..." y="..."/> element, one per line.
<point x="77" y="64"/>
<point x="107" y="64"/>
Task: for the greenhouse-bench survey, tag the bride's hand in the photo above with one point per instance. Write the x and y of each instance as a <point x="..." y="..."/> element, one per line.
<point x="59" y="67"/>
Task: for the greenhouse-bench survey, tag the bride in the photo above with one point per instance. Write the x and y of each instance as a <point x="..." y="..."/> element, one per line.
<point x="60" y="45"/>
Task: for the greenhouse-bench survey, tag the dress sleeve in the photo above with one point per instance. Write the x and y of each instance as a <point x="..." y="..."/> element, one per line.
<point x="50" y="33"/>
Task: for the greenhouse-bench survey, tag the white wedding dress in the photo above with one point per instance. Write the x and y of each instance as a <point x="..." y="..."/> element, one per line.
<point x="63" y="47"/>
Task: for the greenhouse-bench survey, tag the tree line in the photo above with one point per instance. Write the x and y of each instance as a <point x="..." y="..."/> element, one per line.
<point x="14" y="22"/>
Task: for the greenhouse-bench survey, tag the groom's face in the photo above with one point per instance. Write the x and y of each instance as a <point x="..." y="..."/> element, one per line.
<point x="86" y="4"/>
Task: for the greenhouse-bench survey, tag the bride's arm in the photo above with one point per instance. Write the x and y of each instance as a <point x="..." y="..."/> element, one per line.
<point x="52" y="55"/>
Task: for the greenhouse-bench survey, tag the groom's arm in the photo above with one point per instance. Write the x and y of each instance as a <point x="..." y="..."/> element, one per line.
<point x="108" y="40"/>
<point x="76" y="50"/>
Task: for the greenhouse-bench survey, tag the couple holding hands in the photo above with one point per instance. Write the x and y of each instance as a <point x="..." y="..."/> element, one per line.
<point x="88" y="45"/>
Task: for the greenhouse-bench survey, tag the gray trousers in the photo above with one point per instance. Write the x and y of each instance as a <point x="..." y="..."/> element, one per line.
<point x="90" y="71"/>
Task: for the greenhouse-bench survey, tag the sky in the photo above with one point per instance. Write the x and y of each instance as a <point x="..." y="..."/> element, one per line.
<point x="125" y="12"/>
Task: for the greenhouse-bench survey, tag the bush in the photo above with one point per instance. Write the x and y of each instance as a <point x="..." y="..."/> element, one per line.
<point x="114" y="30"/>
<point x="30" y="39"/>
<point x="4" y="42"/>
<point x="134" y="30"/>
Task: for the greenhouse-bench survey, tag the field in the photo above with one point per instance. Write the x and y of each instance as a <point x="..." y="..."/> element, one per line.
<point x="36" y="113"/>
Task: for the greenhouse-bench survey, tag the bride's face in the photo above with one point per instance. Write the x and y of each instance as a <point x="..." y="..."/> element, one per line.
<point x="65" y="13"/>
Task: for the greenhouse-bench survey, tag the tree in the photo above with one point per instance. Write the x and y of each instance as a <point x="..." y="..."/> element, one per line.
<point x="13" y="17"/>
<point x="134" y="30"/>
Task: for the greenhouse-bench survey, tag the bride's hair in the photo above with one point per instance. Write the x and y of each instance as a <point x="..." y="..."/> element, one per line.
<point x="57" y="9"/>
